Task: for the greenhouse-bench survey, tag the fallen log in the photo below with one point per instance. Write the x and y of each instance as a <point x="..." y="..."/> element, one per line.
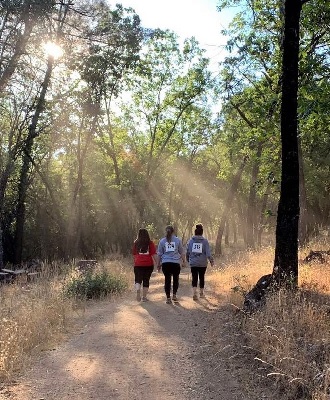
<point x="317" y="255"/>
<point x="255" y="298"/>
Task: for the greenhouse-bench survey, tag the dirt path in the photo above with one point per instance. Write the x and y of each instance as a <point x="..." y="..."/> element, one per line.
<point x="128" y="350"/>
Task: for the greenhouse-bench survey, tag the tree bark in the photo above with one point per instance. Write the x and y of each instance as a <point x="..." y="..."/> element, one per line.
<point x="19" y="47"/>
<point x="24" y="175"/>
<point x="286" y="249"/>
<point x="28" y="144"/>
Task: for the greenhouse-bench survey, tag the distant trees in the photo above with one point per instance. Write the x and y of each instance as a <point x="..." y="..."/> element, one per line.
<point x="251" y="86"/>
<point x="120" y="131"/>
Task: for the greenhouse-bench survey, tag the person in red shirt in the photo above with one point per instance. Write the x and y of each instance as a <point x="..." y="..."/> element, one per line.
<point x="145" y="257"/>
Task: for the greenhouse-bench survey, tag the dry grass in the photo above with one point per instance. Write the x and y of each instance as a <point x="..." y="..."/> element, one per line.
<point x="32" y="315"/>
<point x="36" y="315"/>
<point x="290" y="336"/>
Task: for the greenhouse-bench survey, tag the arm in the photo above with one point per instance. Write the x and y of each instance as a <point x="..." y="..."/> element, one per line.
<point x="188" y="252"/>
<point x="154" y="256"/>
<point x="155" y="259"/>
<point x="159" y="255"/>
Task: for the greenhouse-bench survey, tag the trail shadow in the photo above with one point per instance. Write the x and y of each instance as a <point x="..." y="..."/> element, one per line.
<point x="129" y="350"/>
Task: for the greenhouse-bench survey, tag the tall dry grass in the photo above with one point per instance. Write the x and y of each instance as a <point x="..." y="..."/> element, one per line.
<point x="290" y="335"/>
<point x="32" y="315"/>
<point x="35" y="315"/>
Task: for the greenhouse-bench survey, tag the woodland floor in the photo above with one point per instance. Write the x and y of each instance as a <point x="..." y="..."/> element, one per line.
<point x="123" y="350"/>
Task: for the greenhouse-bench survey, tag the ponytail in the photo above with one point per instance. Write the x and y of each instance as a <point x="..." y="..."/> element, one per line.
<point x="169" y="231"/>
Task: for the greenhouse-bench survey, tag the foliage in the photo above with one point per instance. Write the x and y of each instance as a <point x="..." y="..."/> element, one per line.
<point x="94" y="285"/>
<point x="128" y="135"/>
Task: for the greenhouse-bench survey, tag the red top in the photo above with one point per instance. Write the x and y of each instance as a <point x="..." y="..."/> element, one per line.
<point x="144" y="259"/>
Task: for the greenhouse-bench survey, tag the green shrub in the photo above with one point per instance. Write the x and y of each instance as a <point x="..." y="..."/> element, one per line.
<point x="94" y="285"/>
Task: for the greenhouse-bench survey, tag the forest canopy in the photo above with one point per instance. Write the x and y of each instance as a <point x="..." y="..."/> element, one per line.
<point x="108" y="126"/>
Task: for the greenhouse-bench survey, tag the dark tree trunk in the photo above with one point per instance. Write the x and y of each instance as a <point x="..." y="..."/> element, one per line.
<point x="19" y="47"/>
<point x="3" y="185"/>
<point x="286" y="250"/>
<point x="28" y="144"/>
<point x="285" y="270"/>
<point x="24" y="175"/>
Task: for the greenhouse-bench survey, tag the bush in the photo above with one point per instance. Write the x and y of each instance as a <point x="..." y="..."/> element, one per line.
<point x="94" y="285"/>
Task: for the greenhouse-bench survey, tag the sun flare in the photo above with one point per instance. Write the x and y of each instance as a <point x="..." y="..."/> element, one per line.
<point x="52" y="49"/>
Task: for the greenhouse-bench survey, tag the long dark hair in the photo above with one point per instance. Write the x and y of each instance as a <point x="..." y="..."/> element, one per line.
<point x="142" y="241"/>
<point x="169" y="231"/>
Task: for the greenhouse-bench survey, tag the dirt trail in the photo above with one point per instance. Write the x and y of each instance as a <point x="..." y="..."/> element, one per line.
<point x="128" y="350"/>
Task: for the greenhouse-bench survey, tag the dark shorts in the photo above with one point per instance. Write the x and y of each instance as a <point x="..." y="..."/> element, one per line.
<point x="143" y="274"/>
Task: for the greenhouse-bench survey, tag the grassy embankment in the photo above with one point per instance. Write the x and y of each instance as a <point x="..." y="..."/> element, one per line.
<point x="290" y="335"/>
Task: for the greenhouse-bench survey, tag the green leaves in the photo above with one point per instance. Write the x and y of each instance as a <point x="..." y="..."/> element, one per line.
<point x="94" y="285"/>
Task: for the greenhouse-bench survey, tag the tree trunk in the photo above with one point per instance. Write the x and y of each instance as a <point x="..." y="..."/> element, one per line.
<point x="303" y="221"/>
<point x="19" y="48"/>
<point x="241" y="226"/>
<point x="227" y="206"/>
<point x="286" y="249"/>
<point x="251" y="220"/>
<point x="227" y="232"/>
<point x="3" y="185"/>
<point x="262" y="215"/>
<point x="235" y="231"/>
<point x="28" y="144"/>
<point x="24" y="179"/>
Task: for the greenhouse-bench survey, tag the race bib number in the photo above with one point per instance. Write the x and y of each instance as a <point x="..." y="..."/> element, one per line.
<point x="197" y="247"/>
<point x="169" y="247"/>
<point x="145" y="254"/>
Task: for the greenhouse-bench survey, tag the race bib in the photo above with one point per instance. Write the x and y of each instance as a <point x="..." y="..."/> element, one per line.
<point x="197" y="248"/>
<point x="144" y="253"/>
<point x="169" y="247"/>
